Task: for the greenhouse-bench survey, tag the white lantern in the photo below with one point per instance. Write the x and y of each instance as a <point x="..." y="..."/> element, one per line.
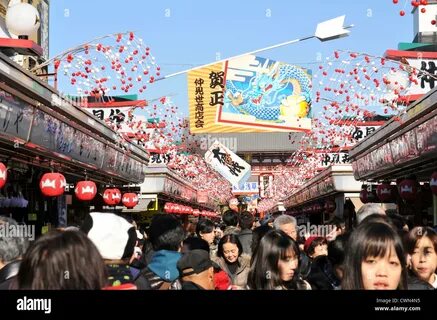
<point x="22" y="19"/>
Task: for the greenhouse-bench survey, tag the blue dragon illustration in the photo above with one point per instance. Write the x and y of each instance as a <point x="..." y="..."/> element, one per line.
<point x="262" y="97"/>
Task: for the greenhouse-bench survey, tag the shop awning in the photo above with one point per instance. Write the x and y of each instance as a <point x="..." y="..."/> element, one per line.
<point x="405" y="145"/>
<point x="335" y="179"/>
<point x="41" y="128"/>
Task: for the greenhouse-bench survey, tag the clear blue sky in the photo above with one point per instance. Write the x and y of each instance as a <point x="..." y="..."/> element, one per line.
<point x="186" y="33"/>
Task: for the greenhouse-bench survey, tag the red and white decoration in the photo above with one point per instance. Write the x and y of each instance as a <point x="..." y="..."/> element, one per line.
<point x="112" y="196"/>
<point x="85" y="190"/>
<point x="385" y="192"/>
<point x="408" y="189"/>
<point x="130" y="200"/>
<point x="52" y="184"/>
<point x="3" y="175"/>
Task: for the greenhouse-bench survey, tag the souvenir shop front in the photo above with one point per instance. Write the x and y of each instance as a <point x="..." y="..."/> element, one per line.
<point x="42" y="133"/>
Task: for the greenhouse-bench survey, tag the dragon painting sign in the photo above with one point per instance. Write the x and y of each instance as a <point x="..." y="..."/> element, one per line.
<point x="249" y="94"/>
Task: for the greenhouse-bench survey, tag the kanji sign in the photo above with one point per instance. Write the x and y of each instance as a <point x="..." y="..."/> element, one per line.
<point x="228" y="164"/>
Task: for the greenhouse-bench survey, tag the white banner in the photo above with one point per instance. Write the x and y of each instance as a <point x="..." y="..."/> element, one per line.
<point x="228" y="164"/>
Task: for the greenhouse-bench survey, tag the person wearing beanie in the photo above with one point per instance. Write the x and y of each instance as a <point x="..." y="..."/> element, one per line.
<point x="166" y="235"/>
<point x="115" y="238"/>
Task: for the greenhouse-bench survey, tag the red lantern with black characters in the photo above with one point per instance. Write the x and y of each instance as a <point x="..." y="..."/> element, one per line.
<point x="385" y="192"/>
<point x="408" y="189"/>
<point x="52" y="184"/>
<point x="112" y="196"/>
<point x="3" y="175"/>
<point x="85" y="190"/>
<point x="130" y="200"/>
<point x="433" y="183"/>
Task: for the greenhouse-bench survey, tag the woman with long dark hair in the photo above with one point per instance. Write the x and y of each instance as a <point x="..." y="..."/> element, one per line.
<point x="374" y="259"/>
<point x="233" y="261"/>
<point x="276" y="264"/>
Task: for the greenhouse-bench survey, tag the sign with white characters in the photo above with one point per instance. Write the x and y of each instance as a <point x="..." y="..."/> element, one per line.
<point x="246" y="189"/>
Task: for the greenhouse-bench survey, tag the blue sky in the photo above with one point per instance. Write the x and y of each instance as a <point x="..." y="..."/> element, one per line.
<point x="188" y="33"/>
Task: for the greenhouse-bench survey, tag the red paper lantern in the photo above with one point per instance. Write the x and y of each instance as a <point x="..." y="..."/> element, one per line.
<point x="3" y="175"/>
<point x="52" y="184"/>
<point x="385" y="192"/>
<point x="85" y="190"/>
<point x="408" y="189"/>
<point x="196" y="212"/>
<point x="130" y="200"/>
<point x="433" y="183"/>
<point x="112" y="196"/>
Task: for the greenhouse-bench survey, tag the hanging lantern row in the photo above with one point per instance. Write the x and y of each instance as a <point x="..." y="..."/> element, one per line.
<point x="53" y="185"/>
<point x="175" y="208"/>
<point x="406" y="188"/>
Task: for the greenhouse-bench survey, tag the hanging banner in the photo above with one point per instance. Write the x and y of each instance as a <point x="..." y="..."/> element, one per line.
<point x="249" y="94"/>
<point x="247" y="188"/>
<point x="228" y="164"/>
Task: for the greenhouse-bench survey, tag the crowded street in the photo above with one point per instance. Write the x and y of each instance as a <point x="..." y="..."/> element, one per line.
<point x="243" y="147"/>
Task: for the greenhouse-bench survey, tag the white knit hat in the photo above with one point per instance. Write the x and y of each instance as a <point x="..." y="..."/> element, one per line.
<point x="113" y="235"/>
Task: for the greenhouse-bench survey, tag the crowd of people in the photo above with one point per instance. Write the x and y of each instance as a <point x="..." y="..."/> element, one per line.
<point x="109" y="252"/>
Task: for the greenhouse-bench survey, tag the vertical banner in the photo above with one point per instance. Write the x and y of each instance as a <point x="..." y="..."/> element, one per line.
<point x="228" y="164"/>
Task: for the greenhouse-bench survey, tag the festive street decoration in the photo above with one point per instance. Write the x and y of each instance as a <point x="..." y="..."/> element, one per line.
<point x="112" y="196"/>
<point x="85" y="190"/>
<point x="130" y="200"/>
<point x="385" y="192"/>
<point x="346" y="85"/>
<point x="52" y="184"/>
<point x="408" y="189"/>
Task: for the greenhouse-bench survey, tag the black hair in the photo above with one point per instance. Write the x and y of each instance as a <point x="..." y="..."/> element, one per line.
<point x="46" y="263"/>
<point x="397" y="220"/>
<point x="246" y="220"/>
<point x="336" y="249"/>
<point x="418" y="233"/>
<point x="229" y="238"/>
<point x="371" y="239"/>
<point x="193" y="243"/>
<point x="230" y="218"/>
<point x="166" y="233"/>
<point x="204" y="226"/>
<point x="257" y="235"/>
<point x="316" y="242"/>
<point x="274" y="246"/>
